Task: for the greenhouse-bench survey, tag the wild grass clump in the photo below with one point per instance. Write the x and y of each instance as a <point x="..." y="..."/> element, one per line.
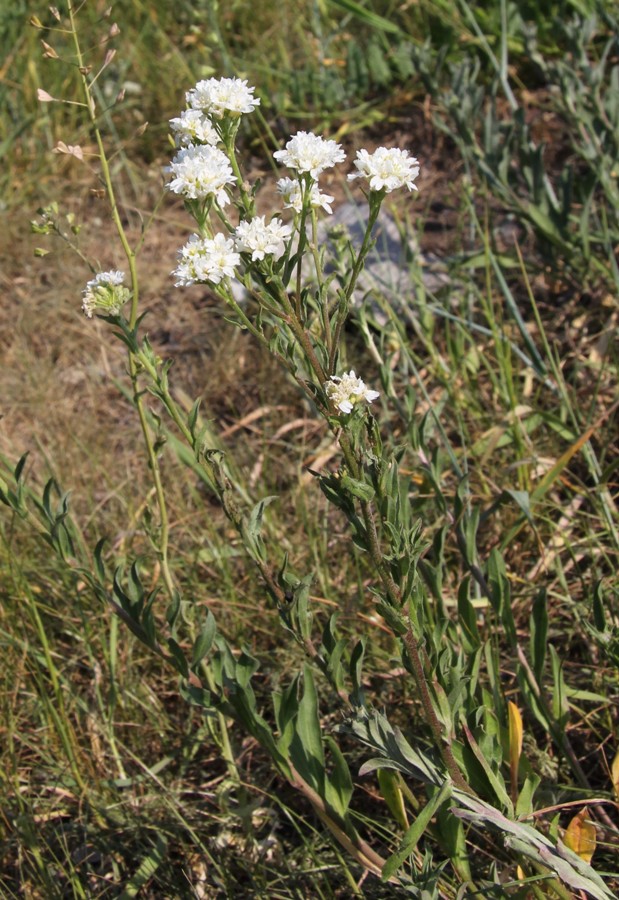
<point x="328" y="606"/>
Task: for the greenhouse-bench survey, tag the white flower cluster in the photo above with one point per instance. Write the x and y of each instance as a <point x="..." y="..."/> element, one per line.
<point x="206" y="259"/>
<point x="310" y="154"/>
<point x="259" y="239"/>
<point x="201" y="171"/>
<point x="345" y="391"/>
<point x="386" y="169"/>
<point x="219" y="97"/>
<point x="105" y="293"/>
<point x="193" y="127"/>
<point x="293" y="194"/>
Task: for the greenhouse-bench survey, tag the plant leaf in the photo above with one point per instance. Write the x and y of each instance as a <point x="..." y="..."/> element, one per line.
<point x="306" y="749"/>
<point x="580" y="835"/>
<point x="515" y="731"/>
<point x="494" y="778"/>
<point x="338" y="786"/>
<point x="389" y="783"/>
<point x="539" y="633"/>
<point x="514" y="720"/>
<point x="414" y="833"/>
<point x="614" y="772"/>
<point x="523" y="838"/>
<point x="204" y="641"/>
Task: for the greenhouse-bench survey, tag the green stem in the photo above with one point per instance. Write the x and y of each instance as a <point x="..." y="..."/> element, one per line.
<point x="394" y="595"/>
<point x="355" y="468"/>
<point x="164" y="529"/>
<point x="246" y="199"/>
<point x="302" y="336"/>
<point x="323" y="293"/>
<point x="376" y="199"/>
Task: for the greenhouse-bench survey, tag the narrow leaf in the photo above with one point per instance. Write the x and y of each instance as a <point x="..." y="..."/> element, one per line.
<point x="339" y="784"/>
<point x="356" y="672"/>
<point x="599" y="616"/>
<point x="389" y="783"/>
<point x="468" y="618"/>
<point x="553" y="474"/>
<point x="416" y="830"/>
<point x="524" y="806"/>
<point x="539" y="634"/>
<point x="19" y="468"/>
<point x="494" y="778"/>
<point x="521" y="499"/>
<point x="515" y="731"/>
<point x="306" y="747"/>
<point x="204" y="641"/>
<point x="178" y="658"/>
<point x="515" y="746"/>
<point x="560" y="702"/>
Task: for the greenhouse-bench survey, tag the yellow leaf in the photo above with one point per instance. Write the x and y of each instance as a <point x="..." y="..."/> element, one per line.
<point x="514" y="721"/>
<point x="515" y="731"/>
<point x="614" y="774"/>
<point x="580" y="835"/>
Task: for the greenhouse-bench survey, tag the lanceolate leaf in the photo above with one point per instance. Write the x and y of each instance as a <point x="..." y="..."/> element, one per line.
<point x="515" y="745"/>
<point x="339" y="785"/>
<point x="468" y="618"/>
<point x="389" y="783"/>
<point x="416" y="830"/>
<point x="524" y="806"/>
<point x="356" y="672"/>
<point x="539" y="634"/>
<point x="306" y="749"/>
<point x="204" y="641"/>
<point x="494" y="778"/>
<point x="286" y="705"/>
<point x="178" y="657"/>
<point x="560" y="703"/>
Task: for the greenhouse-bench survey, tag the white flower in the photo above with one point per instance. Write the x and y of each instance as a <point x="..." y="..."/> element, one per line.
<point x="387" y="169"/>
<point x="201" y="171"/>
<point x="260" y="239"/>
<point x="218" y="97"/>
<point x="192" y="127"/>
<point x="347" y="390"/>
<point x="307" y="152"/>
<point x="105" y="293"/>
<point x="292" y="193"/>
<point x="206" y="259"/>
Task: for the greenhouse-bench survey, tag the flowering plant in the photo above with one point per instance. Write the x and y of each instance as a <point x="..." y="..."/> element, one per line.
<point x="270" y="271"/>
<point x="105" y="294"/>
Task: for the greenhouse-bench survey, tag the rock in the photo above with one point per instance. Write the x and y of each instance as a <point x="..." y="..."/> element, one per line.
<point x="391" y="263"/>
